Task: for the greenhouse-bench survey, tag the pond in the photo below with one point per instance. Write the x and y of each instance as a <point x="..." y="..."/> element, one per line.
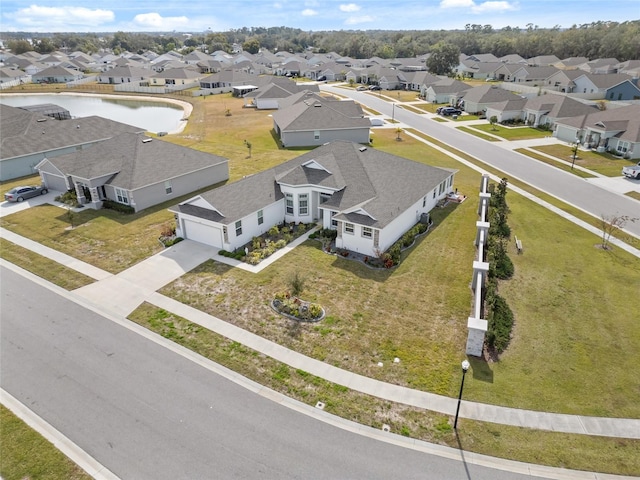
<point x="152" y="115"/>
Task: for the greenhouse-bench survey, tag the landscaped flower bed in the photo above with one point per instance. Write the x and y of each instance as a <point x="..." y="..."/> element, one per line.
<point x="297" y="309"/>
<point x="278" y="236"/>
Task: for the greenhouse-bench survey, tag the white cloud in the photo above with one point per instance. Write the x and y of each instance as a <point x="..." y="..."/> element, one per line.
<point x="54" y="18"/>
<point x="277" y="5"/>
<point x="493" y="6"/>
<point x="358" y="20"/>
<point x="456" y="3"/>
<point x="155" y="21"/>
<point x="307" y="12"/>
<point x="349" y="7"/>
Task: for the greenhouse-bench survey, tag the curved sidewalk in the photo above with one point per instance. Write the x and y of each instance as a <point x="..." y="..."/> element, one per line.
<point x="140" y="282"/>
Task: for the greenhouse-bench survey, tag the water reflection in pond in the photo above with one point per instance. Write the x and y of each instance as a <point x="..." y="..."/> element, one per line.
<point x="153" y="116"/>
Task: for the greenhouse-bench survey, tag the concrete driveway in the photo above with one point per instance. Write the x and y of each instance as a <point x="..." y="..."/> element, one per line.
<point x="7" y="208"/>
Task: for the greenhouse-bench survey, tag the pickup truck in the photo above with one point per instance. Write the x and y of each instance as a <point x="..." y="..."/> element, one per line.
<point x="632" y="171"/>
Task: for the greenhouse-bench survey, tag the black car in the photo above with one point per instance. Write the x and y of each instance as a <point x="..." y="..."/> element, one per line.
<point x="374" y="87"/>
<point x="448" y="111"/>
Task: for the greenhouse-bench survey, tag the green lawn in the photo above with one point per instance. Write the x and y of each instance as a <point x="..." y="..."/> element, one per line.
<point x="418" y="311"/>
<point x="548" y="448"/>
<point x="602" y="163"/>
<point x="43" y="267"/>
<point x="27" y="455"/>
<point x="478" y="134"/>
<point x="511" y="133"/>
<point x="556" y="163"/>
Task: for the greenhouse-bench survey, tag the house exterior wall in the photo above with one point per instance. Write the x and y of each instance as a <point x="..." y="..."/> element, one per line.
<point x="266" y="103"/>
<point x="503" y="115"/>
<point x="308" y="138"/>
<point x="630" y="150"/>
<point x="153" y="194"/>
<point x="624" y="91"/>
<point x="21" y="166"/>
<point x="584" y="85"/>
<point x="273" y="214"/>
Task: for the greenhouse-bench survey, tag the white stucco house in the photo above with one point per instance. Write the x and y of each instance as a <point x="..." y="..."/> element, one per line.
<point x="132" y="169"/>
<point x="370" y="197"/>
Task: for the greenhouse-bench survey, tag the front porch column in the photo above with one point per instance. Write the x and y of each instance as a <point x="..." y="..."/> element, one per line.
<point x="80" y="193"/>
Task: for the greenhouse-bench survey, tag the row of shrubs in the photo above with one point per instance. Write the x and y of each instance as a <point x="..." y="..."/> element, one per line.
<point x="499" y="314"/>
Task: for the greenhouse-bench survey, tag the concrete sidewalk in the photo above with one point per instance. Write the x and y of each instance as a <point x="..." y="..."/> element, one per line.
<point x="118" y="295"/>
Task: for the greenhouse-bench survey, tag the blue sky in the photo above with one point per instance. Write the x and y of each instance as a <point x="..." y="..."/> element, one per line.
<point x="201" y="15"/>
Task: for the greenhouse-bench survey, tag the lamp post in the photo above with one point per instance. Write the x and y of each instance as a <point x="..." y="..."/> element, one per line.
<point x="393" y="113"/>
<point x="575" y="151"/>
<point x="465" y="367"/>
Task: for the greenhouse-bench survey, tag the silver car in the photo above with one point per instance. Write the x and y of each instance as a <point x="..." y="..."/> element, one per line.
<point x="19" y="194"/>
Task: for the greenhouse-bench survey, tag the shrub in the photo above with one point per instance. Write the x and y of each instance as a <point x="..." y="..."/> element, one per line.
<point x="315" y="310"/>
<point x="296" y="283"/>
<point x="68" y="198"/>
<point x="173" y="241"/>
<point x="274" y="231"/>
<point x="281" y="243"/>
<point x="256" y="243"/>
<point x="167" y="230"/>
<point x="118" y="207"/>
<point x="500" y="324"/>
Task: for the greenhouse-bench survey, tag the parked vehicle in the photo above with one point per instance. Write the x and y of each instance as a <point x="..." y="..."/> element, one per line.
<point x="19" y="194"/>
<point x="360" y="88"/>
<point x="448" y="111"/>
<point x="375" y="87"/>
<point x="632" y="171"/>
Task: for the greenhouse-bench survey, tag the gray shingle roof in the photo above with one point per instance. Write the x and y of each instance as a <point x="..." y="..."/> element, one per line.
<point x="23" y="134"/>
<point x="134" y="163"/>
<point x="323" y="114"/>
<point x="382" y="184"/>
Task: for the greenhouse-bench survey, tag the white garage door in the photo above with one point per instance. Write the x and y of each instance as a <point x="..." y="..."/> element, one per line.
<point x="206" y="234"/>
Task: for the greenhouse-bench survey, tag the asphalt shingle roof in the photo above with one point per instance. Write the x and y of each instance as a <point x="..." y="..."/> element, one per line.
<point x="133" y="162"/>
<point x="382" y="184"/>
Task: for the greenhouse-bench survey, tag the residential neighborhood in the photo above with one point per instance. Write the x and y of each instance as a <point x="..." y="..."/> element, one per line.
<point x="444" y="224"/>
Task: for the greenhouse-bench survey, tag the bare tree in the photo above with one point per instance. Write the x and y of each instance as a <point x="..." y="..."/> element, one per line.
<point x="610" y="224"/>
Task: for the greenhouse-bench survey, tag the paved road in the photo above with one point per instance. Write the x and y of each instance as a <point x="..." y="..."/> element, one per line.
<point x="145" y="412"/>
<point x="566" y="186"/>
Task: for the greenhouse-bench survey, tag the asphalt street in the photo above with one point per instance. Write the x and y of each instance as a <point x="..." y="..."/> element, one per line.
<point x="146" y="412"/>
<point x="563" y="185"/>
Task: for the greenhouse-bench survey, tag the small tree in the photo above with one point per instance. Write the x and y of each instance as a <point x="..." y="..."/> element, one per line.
<point x="398" y="132"/>
<point x="493" y="120"/>
<point x="611" y="223"/>
<point x="70" y="215"/>
<point x="248" y="145"/>
<point x="296" y="284"/>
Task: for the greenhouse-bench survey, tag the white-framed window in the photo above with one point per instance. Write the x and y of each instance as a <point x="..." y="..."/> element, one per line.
<point x="121" y="196"/>
<point x="316" y="134"/>
<point x="167" y="187"/>
<point x="260" y="217"/>
<point x="367" y="232"/>
<point x="424" y="202"/>
<point x="348" y="228"/>
<point x="622" y="147"/>
<point x="434" y="193"/>
<point x="324" y="197"/>
<point x="238" y="228"/>
<point x="303" y="204"/>
<point x="289" y="200"/>
<point x="334" y="223"/>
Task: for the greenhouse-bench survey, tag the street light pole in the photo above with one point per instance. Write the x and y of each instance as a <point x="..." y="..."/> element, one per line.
<point x="393" y="113"/>
<point x="465" y="367"/>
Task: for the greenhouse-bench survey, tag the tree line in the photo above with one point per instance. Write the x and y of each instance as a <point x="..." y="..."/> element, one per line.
<point x="594" y="40"/>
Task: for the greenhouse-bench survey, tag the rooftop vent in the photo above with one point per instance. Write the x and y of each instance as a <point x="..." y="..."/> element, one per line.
<point x="362" y="149"/>
<point x="146" y="140"/>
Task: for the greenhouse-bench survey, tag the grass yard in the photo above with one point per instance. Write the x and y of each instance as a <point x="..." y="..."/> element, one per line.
<point x="512" y="133"/>
<point x="602" y="163"/>
<point x="560" y="358"/>
<point x="18" y="182"/>
<point x="28" y="455"/>
<point x="562" y="165"/>
<point x="555" y="449"/>
<point x="43" y="267"/>
<point x="476" y="133"/>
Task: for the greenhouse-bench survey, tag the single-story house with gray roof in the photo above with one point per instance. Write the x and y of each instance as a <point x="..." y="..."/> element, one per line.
<point x="317" y="120"/>
<point x="133" y="169"/>
<point x="370" y="197"/>
<point x="28" y="137"/>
